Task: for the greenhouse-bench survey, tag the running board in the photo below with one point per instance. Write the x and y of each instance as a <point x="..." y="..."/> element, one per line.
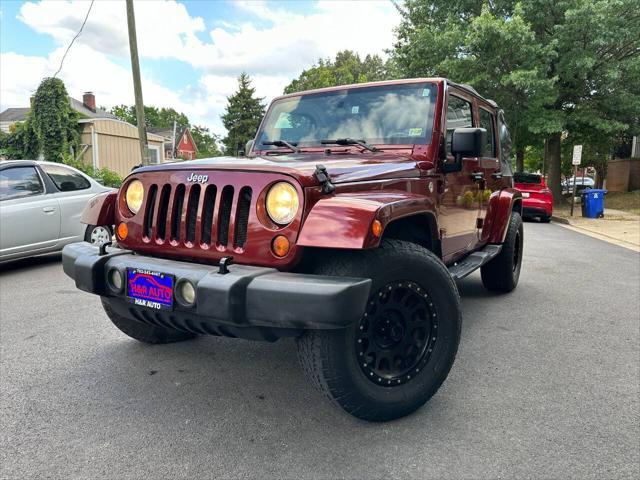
<point x="474" y="261"/>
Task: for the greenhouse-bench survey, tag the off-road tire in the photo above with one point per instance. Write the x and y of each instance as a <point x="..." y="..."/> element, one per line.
<point x="330" y="357"/>
<point x="143" y="332"/>
<point x="502" y="273"/>
<point x="88" y="233"/>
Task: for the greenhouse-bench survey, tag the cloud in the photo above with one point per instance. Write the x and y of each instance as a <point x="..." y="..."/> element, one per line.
<point x="270" y="43"/>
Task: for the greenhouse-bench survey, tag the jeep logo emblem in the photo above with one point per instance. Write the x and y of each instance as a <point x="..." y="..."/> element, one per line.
<point x="198" y="178"/>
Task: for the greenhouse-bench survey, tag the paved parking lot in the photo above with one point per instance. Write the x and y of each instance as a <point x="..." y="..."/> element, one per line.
<point x="546" y="385"/>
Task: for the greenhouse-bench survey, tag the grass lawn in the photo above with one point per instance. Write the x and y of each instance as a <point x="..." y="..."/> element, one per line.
<point x="627" y="201"/>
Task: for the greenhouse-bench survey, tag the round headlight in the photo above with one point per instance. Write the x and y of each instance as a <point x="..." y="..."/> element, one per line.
<point x="282" y="203"/>
<point x="134" y="196"/>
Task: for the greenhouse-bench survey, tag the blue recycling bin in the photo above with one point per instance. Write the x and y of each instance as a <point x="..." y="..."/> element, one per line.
<point x="593" y="202"/>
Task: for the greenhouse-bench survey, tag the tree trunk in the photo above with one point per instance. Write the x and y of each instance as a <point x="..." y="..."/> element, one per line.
<point x="520" y="159"/>
<point x="554" y="166"/>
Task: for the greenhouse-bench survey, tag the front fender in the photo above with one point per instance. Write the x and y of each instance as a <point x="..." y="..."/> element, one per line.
<point x="501" y="204"/>
<point x="344" y="220"/>
<point x="101" y="209"/>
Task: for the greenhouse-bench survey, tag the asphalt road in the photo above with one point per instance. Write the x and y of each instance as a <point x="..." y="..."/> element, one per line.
<point x="546" y="385"/>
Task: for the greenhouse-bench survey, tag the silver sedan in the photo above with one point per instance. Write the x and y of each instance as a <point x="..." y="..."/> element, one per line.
<point x="40" y="208"/>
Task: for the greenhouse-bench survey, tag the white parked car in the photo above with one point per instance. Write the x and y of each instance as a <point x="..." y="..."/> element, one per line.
<point x="40" y="208"/>
<point x="581" y="184"/>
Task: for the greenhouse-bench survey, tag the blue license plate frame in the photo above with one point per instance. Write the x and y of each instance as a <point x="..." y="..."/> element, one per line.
<point x="150" y="288"/>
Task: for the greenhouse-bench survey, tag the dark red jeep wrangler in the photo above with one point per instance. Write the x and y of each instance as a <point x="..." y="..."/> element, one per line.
<point x="346" y="225"/>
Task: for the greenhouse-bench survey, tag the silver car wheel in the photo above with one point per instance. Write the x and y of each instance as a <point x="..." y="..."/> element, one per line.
<point x="100" y="235"/>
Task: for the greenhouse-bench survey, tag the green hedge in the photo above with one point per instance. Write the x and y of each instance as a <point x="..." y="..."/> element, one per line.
<point x="107" y="177"/>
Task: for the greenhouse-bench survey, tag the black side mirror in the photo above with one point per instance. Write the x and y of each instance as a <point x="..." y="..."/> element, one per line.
<point x="465" y="142"/>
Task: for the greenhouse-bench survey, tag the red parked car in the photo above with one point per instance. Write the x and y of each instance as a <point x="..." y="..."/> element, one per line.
<point x="537" y="199"/>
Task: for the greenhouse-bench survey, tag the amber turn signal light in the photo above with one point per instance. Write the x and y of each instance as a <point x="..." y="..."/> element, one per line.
<point x="280" y="246"/>
<point x="122" y="231"/>
<point x="376" y="228"/>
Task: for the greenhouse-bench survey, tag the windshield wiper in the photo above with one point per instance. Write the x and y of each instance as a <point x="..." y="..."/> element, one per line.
<point x="350" y="141"/>
<point x="283" y="143"/>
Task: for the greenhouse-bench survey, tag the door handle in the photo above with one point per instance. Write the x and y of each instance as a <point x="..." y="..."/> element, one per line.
<point x="496" y="175"/>
<point x="48" y="209"/>
<point x="477" y="176"/>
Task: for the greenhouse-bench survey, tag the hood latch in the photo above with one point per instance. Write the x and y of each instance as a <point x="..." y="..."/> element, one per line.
<point x="324" y="178"/>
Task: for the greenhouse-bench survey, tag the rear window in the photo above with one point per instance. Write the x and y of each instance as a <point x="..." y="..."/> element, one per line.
<point x="526" y="178"/>
<point x="66" y="179"/>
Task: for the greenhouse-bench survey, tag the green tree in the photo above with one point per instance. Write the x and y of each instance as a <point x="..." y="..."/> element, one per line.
<point x="153" y="116"/>
<point x="347" y="68"/>
<point x="20" y="143"/>
<point x="559" y="68"/>
<point x="242" y="116"/>
<point x="53" y="121"/>
<point x="207" y="142"/>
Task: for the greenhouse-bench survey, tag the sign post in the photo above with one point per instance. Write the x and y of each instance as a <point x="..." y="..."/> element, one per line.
<point x="575" y="161"/>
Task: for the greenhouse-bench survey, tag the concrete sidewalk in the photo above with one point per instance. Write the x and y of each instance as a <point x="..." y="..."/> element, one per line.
<point x="618" y="227"/>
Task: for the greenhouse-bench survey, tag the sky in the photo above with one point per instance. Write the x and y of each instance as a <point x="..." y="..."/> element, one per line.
<point x="191" y="52"/>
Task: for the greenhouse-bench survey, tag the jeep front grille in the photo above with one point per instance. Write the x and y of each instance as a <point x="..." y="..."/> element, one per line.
<point x="197" y="215"/>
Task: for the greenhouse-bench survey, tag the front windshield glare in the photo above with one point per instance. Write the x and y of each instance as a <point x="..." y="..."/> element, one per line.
<point x="388" y="114"/>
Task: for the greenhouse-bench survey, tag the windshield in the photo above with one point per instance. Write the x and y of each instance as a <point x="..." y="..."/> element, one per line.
<point x="387" y="114"/>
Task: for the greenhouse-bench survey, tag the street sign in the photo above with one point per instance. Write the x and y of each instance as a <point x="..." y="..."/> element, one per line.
<point x="577" y="155"/>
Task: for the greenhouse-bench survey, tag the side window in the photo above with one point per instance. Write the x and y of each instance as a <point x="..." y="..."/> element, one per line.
<point x="486" y="122"/>
<point x="458" y="116"/>
<point x="19" y="182"/>
<point x="66" y="179"/>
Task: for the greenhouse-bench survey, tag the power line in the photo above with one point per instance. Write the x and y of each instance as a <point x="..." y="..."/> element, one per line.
<point x="74" y="39"/>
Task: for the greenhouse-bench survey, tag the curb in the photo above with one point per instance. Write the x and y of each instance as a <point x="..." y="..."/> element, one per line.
<point x="560" y="220"/>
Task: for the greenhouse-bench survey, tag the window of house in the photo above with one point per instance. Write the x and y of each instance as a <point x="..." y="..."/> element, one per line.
<point x="459" y="115"/>
<point x="486" y="122"/>
<point x="185" y="140"/>
<point x="154" y="154"/>
<point x="19" y="182"/>
<point x="66" y="179"/>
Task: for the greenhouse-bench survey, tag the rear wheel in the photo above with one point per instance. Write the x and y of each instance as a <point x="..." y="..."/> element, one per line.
<point x="545" y="219"/>
<point x="143" y="332"/>
<point x="390" y="362"/>
<point x="502" y="273"/>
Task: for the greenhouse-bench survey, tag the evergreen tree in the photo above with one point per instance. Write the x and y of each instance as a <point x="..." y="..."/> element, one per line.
<point x="242" y="116"/>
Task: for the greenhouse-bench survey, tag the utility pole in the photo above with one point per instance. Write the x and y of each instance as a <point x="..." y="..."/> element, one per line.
<point x="137" y="86"/>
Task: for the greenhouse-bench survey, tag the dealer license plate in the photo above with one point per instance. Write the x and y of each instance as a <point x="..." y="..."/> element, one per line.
<point x="525" y="194"/>
<point x="151" y="289"/>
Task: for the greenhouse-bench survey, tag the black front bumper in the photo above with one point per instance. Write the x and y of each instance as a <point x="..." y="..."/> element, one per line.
<point x="226" y="304"/>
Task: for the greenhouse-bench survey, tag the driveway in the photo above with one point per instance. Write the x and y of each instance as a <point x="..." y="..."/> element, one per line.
<point x="546" y="385"/>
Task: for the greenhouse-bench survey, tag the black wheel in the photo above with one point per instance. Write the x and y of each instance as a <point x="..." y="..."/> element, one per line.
<point x="98" y="234"/>
<point x="390" y="362"/>
<point x="143" y="332"/>
<point x="545" y="219"/>
<point x="502" y="273"/>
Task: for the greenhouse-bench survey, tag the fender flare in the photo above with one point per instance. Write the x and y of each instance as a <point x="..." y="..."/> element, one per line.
<point x="344" y="220"/>
<point x="501" y="204"/>
<point x="100" y="209"/>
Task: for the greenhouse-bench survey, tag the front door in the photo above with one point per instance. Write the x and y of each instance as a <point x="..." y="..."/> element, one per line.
<point x="460" y="196"/>
<point x="30" y="217"/>
<point x="490" y="163"/>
